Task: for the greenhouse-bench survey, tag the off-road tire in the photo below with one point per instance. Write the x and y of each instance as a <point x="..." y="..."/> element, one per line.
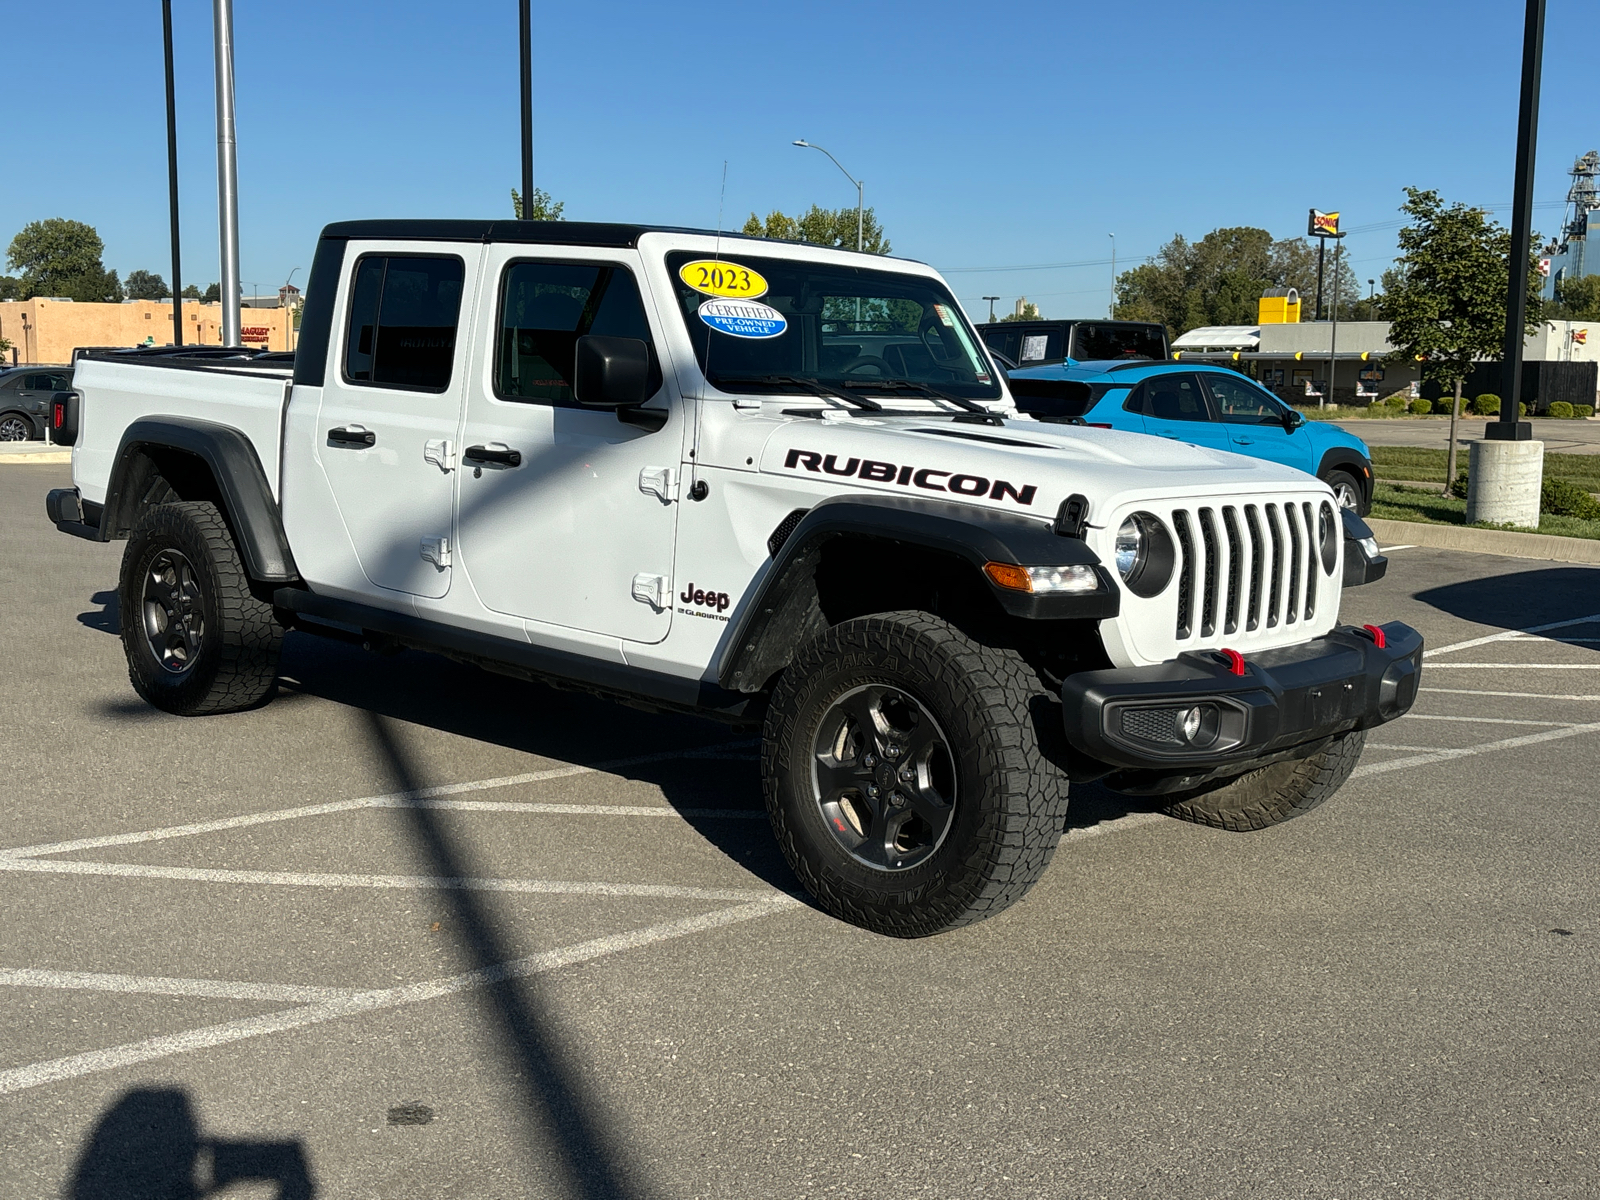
<point x="1009" y="801"/>
<point x="1274" y="793"/>
<point x="236" y="665"/>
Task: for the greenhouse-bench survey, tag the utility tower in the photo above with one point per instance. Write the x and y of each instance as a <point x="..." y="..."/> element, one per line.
<point x="1583" y="198"/>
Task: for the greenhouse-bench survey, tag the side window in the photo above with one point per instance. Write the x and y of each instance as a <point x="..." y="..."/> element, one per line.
<point x="403" y="316"/>
<point x="997" y="337"/>
<point x="1138" y="401"/>
<point x="35" y="383"/>
<point x="1173" y="398"/>
<point x="1240" y="402"/>
<point x="545" y="308"/>
<point x="1041" y="344"/>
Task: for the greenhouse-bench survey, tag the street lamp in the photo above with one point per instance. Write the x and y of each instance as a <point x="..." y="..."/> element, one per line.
<point x="1112" y="312"/>
<point x="851" y="178"/>
<point x="991" y="300"/>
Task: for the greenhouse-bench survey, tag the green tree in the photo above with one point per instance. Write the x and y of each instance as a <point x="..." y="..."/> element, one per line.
<point x="1576" y="300"/>
<point x="190" y="292"/>
<point x="212" y="294"/>
<point x="1445" y="301"/>
<point x="58" y="257"/>
<point x="1219" y="279"/>
<point x="10" y="288"/>
<point x="542" y="209"/>
<point x="1030" y="312"/>
<point x="818" y="226"/>
<point x="145" y="285"/>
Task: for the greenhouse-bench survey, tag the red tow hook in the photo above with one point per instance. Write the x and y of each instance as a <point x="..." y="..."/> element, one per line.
<point x="1235" y="661"/>
<point x="1376" y="634"/>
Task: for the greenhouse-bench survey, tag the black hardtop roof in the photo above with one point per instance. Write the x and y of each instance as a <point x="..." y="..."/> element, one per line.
<point x="559" y="233"/>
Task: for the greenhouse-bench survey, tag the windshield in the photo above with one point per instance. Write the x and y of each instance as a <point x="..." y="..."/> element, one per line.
<point x="764" y="324"/>
<point x="1096" y="341"/>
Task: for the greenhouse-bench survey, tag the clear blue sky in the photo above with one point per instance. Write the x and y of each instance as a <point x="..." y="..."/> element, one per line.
<point x="984" y="140"/>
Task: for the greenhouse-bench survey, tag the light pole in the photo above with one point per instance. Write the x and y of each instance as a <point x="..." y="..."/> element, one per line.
<point x="1112" y="311"/>
<point x="991" y="300"/>
<point x="288" y="324"/>
<point x="526" y="53"/>
<point x="172" y="172"/>
<point x="851" y="178"/>
<point x="227" y="171"/>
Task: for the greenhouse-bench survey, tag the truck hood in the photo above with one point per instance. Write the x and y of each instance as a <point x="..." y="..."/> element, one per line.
<point x="1027" y="467"/>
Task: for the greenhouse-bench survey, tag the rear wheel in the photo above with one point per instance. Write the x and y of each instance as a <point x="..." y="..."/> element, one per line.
<point x="197" y="639"/>
<point x="1273" y="794"/>
<point x="15" y="428"/>
<point x="903" y="775"/>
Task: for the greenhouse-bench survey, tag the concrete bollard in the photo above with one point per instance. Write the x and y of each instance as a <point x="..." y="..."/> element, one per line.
<point x="1503" y="488"/>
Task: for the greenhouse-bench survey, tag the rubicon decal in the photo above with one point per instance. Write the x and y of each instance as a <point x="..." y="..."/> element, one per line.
<point x="926" y="478"/>
<point x="716" y="603"/>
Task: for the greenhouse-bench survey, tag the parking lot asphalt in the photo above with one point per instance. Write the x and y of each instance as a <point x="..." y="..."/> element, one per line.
<point x="413" y="930"/>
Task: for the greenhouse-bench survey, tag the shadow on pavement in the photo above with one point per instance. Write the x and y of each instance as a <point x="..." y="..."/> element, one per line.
<point x="1521" y="599"/>
<point x="147" y="1146"/>
<point x="108" y="619"/>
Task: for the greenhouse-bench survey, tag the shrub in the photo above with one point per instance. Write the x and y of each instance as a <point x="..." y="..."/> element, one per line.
<point x="1421" y="407"/>
<point x="1561" y="409"/>
<point x="1458" y="489"/>
<point x="1443" y="403"/>
<point x="1399" y="400"/>
<point x="1563" y="498"/>
<point x="1583" y="410"/>
<point x="1486" y="405"/>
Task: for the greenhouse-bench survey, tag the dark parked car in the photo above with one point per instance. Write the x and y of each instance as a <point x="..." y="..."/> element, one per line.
<point x="1046" y="343"/>
<point x="25" y="394"/>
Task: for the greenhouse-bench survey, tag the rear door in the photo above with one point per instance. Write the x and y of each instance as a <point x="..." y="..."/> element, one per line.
<point x="390" y="413"/>
<point x="567" y="514"/>
<point x="1173" y="405"/>
<point x="1254" y="421"/>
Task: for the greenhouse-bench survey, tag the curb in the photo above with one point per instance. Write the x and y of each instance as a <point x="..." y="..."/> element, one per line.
<point x="42" y="455"/>
<point x="1487" y="541"/>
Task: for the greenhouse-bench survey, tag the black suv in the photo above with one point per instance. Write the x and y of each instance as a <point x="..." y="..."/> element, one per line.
<point x="25" y="394"/>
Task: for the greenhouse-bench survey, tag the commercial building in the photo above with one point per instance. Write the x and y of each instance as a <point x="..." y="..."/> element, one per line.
<point x="44" y="330"/>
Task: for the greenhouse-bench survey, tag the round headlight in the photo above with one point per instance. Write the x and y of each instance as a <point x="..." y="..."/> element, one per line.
<point x="1145" y="555"/>
<point x="1130" y="547"/>
<point x="1329" y="529"/>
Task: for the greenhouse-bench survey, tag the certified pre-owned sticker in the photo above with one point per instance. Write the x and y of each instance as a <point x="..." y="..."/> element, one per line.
<point x="743" y="318"/>
<point x="727" y="279"/>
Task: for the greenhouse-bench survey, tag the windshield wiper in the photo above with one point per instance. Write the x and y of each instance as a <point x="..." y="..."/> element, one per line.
<point x="898" y="385"/>
<point x="816" y="387"/>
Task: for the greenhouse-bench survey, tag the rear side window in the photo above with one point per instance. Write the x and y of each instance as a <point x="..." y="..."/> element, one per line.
<point x="1041" y="346"/>
<point x="545" y="308"/>
<point x="403" y="316"/>
<point x="998" y="337"/>
<point x="1169" y="398"/>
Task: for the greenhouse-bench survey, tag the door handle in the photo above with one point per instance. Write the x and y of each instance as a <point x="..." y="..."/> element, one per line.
<point x="352" y="439"/>
<point x="499" y="455"/>
<point x="1245" y="441"/>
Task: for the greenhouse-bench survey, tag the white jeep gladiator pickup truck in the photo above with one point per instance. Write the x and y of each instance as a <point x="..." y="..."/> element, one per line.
<point x="766" y="482"/>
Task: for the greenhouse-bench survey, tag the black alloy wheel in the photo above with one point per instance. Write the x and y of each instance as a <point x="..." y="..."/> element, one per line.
<point x="15" y="429"/>
<point x="883" y="777"/>
<point x="173" y="612"/>
<point x="1346" y="491"/>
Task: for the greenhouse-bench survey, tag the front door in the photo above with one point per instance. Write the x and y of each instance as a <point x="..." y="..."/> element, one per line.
<point x="391" y="413"/>
<point x="1255" y="422"/>
<point x="567" y="514"/>
<point x="1173" y="405"/>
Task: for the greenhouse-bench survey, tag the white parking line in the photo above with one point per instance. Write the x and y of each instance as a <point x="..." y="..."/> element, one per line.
<point x="1527" y="739"/>
<point x="1508" y="634"/>
<point x="540" y="887"/>
<point x="1392" y="549"/>
<point x="332" y="1009"/>
<point x="157" y="985"/>
<point x="1416" y="716"/>
<point x="1119" y="825"/>
<point x="579" y="810"/>
<point x="1461" y="666"/>
<point x="1392" y="746"/>
<point x="1514" y="695"/>
<point x="389" y="800"/>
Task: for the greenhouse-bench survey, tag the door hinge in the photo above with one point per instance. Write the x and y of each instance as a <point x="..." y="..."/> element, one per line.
<point x="661" y="482"/>
<point x="440" y="453"/>
<point x="654" y="590"/>
<point x="437" y="551"/>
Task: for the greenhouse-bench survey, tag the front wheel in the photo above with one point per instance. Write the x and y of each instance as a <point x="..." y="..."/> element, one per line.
<point x="1275" y="793"/>
<point x="197" y="639"/>
<point x="903" y="775"/>
<point x="14" y="428"/>
<point x="1347" y="491"/>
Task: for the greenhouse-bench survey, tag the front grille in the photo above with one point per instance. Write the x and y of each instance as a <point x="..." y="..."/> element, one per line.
<point x="1254" y="566"/>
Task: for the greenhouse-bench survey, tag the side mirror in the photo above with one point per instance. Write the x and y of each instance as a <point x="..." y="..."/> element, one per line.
<point x="611" y="372"/>
<point x="1292" y="420"/>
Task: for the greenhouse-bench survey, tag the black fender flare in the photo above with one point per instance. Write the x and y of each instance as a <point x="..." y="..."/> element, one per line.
<point x="1344" y="456"/>
<point x="785" y="609"/>
<point x="242" y="484"/>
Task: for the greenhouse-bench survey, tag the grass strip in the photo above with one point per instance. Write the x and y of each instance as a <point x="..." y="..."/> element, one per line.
<point x="1391" y="503"/>
<point x="1424" y="465"/>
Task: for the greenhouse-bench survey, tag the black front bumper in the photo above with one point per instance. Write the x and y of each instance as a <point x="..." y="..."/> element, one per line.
<point x="1286" y="703"/>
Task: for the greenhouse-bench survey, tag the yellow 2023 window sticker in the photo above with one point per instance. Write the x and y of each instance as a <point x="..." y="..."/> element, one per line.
<point x="726" y="279"/>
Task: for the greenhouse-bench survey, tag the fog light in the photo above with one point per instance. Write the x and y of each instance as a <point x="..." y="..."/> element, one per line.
<point x="1198" y="725"/>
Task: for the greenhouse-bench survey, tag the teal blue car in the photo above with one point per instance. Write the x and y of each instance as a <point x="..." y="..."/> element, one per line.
<point x="1204" y="405"/>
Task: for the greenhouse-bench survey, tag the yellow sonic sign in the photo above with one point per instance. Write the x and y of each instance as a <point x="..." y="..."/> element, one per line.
<point x="1323" y="224"/>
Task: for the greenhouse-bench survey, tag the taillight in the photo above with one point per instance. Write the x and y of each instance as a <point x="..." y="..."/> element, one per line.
<point x="58" y="418"/>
